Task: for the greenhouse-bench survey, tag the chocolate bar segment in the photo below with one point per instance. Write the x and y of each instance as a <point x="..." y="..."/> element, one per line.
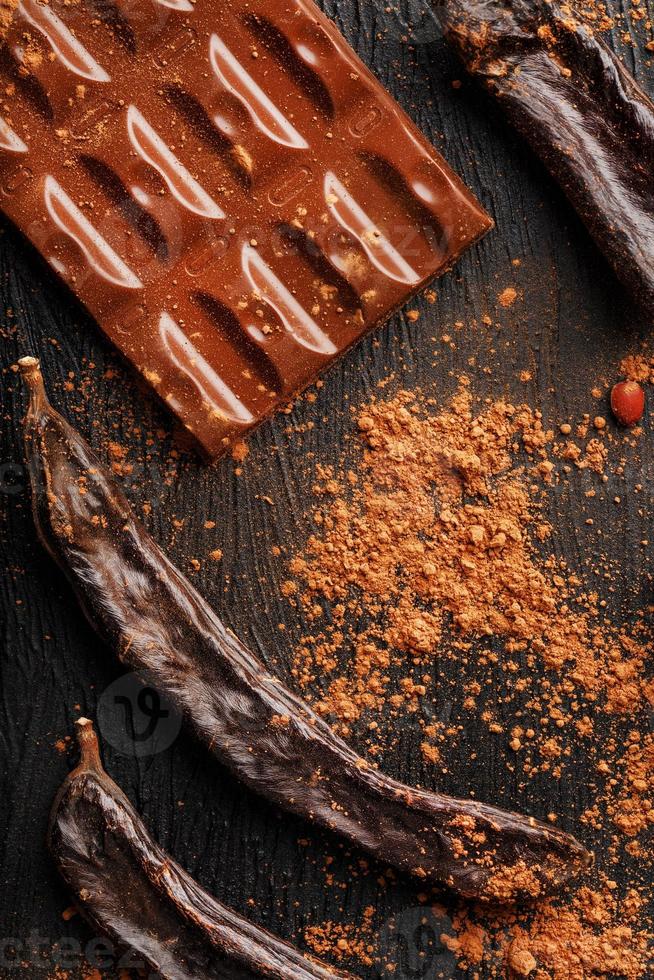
<point x="227" y="188"/>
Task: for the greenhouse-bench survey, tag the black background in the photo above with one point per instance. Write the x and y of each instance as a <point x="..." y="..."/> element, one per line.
<point x="570" y="327"/>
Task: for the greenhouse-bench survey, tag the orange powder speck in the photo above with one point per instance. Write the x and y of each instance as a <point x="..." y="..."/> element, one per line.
<point x="240" y="451"/>
<point x="638" y="367"/>
<point x="507" y="297"/>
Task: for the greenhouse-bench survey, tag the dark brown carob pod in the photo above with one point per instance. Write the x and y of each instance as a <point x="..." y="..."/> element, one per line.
<point x="158" y="624"/>
<point x="130" y="890"/>
<point x="580" y="110"/>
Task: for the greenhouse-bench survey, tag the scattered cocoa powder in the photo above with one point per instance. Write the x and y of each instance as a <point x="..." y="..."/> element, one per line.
<point x="632" y="809"/>
<point x="434" y="541"/>
<point x="507" y="297"/>
<point x="240" y="451"/>
<point x="638" y="367"/>
<point x="574" y="941"/>
<point x="7" y="10"/>
<point x="443" y="524"/>
<point x="344" y="942"/>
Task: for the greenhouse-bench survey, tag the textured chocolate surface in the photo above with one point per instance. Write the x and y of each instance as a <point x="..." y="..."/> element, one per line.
<point x="227" y="189"/>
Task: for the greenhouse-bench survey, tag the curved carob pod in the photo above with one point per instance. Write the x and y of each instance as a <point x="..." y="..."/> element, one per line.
<point x="158" y="625"/>
<point x="581" y="111"/>
<point x="130" y="890"/>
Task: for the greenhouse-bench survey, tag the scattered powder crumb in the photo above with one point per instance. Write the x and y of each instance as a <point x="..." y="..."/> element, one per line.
<point x="507" y="297"/>
<point x="343" y="941"/>
<point x="240" y="451"/>
<point x="586" y="938"/>
<point x="7" y="10"/>
<point x="638" y="367"/>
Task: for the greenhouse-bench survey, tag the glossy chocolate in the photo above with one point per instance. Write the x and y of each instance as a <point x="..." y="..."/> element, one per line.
<point x="126" y="886"/>
<point x="581" y="111"/>
<point x="226" y="187"/>
<point x="158" y="624"/>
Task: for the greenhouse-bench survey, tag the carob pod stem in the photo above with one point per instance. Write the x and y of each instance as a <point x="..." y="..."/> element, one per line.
<point x="580" y="110"/>
<point x="129" y="889"/>
<point x="160" y="626"/>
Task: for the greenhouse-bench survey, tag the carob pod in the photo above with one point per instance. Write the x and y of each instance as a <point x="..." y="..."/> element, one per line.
<point x="129" y="889"/>
<point x="160" y="626"/>
<point x="581" y="112"/>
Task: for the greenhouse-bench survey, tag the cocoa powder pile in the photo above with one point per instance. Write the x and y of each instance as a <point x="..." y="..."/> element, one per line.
<point x="7" y="11"/>
<point x="586" y="937"/>
<point x="441" y="525"/>
<point x="434" y="543"/>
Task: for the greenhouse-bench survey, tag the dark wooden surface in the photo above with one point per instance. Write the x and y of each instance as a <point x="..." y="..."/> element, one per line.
<point x="570" y="330"/>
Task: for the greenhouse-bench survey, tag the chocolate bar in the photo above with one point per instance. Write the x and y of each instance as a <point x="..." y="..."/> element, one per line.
<point x="226" y="188"/>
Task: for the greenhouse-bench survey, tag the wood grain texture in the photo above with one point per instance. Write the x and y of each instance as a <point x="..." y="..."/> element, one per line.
<point x="571" y="329"/>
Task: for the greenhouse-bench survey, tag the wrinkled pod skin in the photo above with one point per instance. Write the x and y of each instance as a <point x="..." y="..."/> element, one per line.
<point x="580" y="110"/>
<point x="159" y="625"/>
<point x="130" y="890"/>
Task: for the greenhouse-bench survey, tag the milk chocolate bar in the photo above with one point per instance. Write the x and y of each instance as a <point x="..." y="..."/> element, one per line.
<point x="226" y="187"/>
